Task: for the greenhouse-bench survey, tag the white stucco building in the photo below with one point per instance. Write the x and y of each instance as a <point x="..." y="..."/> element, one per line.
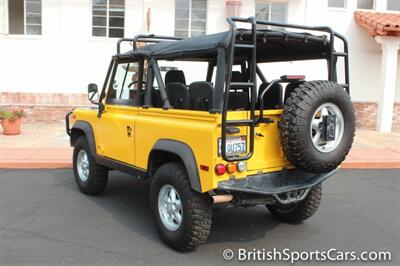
<point x="51" y="49"/>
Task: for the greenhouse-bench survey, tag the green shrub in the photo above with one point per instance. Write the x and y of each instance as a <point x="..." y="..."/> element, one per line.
<point x="11" y="115"/>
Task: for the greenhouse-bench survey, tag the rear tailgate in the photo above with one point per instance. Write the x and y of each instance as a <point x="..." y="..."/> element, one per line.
<point x="268" y="154"/>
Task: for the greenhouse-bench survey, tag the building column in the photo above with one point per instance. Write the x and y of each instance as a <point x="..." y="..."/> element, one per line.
<point x="3" y="17"/>
<point x="390" y="47"/>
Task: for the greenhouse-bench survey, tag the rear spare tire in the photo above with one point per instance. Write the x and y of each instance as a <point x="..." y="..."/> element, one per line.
<point x="317" y="126"/>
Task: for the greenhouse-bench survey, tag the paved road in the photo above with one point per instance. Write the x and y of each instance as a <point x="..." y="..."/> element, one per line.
<point x="45" y="220"/>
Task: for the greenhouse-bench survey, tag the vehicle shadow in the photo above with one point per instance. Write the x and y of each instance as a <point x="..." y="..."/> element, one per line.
<point x="241" y="224"/>
<point x="127" y="200"/>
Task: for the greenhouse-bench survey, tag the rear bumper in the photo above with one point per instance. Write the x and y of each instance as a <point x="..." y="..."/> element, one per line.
<point x="285" y="186"/>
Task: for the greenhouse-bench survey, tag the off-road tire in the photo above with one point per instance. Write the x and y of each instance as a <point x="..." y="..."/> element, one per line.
<point x="300" y="211"/>
<point x="196" y="208"/>
<point x="295" y="123"/>
<point x="98" y="174"/>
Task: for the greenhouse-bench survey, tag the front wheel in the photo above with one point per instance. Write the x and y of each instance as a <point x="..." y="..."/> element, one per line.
<point x="300" y="211"/>
<point x="182" y="216"/>
<point x="90" y="176"/>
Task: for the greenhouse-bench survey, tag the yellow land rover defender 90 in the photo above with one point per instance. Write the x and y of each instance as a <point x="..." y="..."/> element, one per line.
<point x="226" y="135"/>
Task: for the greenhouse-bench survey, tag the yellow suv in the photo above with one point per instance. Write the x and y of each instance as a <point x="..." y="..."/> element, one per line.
<point x="214" y="137"/>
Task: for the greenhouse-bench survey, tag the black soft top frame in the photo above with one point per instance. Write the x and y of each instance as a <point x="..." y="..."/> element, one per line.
<point x="254" y="46"/>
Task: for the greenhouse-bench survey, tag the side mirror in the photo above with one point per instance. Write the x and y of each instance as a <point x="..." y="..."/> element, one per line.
<point x="93" y="94"/>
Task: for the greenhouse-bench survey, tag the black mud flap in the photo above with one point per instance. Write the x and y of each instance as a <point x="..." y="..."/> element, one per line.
<point x="286" y="186"/>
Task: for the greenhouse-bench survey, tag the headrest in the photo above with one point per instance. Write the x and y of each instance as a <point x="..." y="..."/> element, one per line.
<point x="175" y="76"/>
<point x="237" y="76"/>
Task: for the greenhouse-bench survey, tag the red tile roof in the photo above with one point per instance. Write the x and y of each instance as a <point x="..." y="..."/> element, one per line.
<point x="379" y="23"/>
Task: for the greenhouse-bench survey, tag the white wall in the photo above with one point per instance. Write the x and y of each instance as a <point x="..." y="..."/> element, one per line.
<point x="66" y="57"/>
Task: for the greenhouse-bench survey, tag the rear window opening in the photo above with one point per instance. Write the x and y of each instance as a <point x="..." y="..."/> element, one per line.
<point x="186" y="85"/>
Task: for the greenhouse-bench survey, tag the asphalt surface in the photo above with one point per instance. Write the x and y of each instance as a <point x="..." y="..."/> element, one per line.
<point x="45" y="220"/>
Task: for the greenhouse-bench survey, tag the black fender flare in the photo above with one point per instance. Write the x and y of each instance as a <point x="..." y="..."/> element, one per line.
<point x="185" y="153"/>
<point x="88" y="131"/>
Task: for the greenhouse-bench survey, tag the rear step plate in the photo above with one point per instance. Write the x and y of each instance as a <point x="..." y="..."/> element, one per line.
<point x="275" y="183"/>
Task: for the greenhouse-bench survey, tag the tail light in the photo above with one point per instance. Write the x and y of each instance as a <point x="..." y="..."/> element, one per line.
<point x="220" y="169"/>
<point x="231" y="168"/>
<point x="241" y="166"/>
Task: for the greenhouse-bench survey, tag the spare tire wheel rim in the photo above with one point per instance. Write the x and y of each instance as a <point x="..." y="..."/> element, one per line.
<point x="318" y="127"/>
<point x="83" y="165"/>
<point x="170" y="207"/>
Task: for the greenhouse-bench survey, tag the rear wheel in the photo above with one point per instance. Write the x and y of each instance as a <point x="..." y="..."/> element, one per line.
<point x="300" y="211"/>
<point x="182" y="216"/>
<point x="90" y="177"/>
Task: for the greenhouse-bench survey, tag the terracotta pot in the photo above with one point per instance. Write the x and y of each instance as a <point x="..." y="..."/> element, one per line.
<point x="11" y="127"/>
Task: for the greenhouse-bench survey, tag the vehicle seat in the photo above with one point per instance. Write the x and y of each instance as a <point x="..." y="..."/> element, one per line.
<point x="177" y="95"/>
<point x="273" y="97"/>
<point x="238" y="97"/>
<point x="237" y="76"/>
<point x="156" y="98"/>
<point x="175" y="76"/>
<point x="238" y="100"/>
<point x="201" y="93"/>
<point x="112" y="94"/>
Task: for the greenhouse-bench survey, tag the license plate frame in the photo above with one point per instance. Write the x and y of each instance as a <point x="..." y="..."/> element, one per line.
<point x="237" y="145"/>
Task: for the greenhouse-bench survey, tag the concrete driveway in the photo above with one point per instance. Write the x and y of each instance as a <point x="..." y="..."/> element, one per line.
<point x="45" y="220"/>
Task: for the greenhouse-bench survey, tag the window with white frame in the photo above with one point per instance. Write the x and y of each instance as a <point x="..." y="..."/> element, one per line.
<point x="365" y="4"/>
<point x="190" y="18"/>
<point x="108" y="18"/>
<point x="337" y="3"/>
<point x="271" y="11"/>
<point x="25" y="17"/>
<point x="393" y="5"/>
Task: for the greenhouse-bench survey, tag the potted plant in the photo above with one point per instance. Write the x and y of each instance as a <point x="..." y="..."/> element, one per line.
<point x="11" y="121"/>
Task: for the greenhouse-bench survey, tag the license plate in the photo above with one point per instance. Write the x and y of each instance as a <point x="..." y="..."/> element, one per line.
<point x="234" y="145"/>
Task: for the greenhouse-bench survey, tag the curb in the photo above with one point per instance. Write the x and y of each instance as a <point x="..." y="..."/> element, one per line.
<point x="370" y="165"/>
<point x="62" y="164"/>
<point x="35" y="164"/>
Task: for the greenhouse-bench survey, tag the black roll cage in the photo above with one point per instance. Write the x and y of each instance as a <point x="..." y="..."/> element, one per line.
<point x="225" y="61"/>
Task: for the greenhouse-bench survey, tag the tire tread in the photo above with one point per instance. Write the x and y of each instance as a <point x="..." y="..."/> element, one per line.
<point x="302" y="210"/>
<point x="98" y="174"/>
<point x="294" y="123"/>
<point x="197" y="211"/>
